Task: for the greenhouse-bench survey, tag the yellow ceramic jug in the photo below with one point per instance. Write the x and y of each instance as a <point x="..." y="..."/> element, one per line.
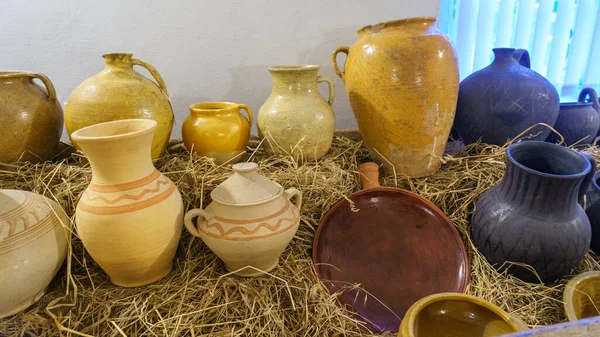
<point x="217" y="130"/>
<point x="402" y="81"/>
<point x="295" y="120"/>
<point x="119" y="92"/>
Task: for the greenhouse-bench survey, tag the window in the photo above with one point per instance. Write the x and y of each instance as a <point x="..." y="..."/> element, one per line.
<point x="562" y="37"/>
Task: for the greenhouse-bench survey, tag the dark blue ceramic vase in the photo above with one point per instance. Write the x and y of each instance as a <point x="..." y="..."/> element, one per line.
<point x="533" y="216"/>
<point x="579" y="122"/>
<point x="502" y="100"/>
<point x="592" y="209"/>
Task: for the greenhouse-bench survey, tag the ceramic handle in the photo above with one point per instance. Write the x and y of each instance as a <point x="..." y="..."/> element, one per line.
<point x="292" y="192"/>
<point x="47" y="83"/>
<point x="588" y="178"/>
<point x="593" y="97"/>
<point x="159" y="80"/>
<point x="522" y="56"/>
<point x="188" y="220"/>
<point x="369" y="175"/>
<point x="331" y="87"/>
<point x="345" y="50"/>
<point x="247" y="108"/>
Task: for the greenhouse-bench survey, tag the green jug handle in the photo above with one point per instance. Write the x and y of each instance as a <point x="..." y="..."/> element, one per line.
<point x="331" y="87"/>
<point x="47" y="83"/>
<point x="345" y="50"/>
<point x="159" y="80"/>
<point x="522" y="56"/>
<point x="593" y="97"/>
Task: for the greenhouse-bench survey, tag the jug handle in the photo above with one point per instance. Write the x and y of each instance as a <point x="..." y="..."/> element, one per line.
<point x="588" y="178"/>
<point x="593" y="97"/>
<point x="522" y="56"/>
<point x="345" y="50"/>
<point x="159" y="80"/>
<point x="247" y="108"/>
<point x="292" y="192"/>
<point x="202" y="215"/>
<point x="331" y="87"/>
<point x="47" y="83"/>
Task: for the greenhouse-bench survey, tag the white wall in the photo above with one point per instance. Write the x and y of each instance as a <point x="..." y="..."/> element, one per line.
<point x="205" y="50"/>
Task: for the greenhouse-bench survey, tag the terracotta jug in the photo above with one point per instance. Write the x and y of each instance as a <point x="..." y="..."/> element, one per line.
<point x="217" y="130"/>
<point x="295" y="120"/>
<point x="532" y="216"/>
<point x="34" y="232"/>
<point x="32" y="118"/>
<point x="504" y="99"/>
<point x="249" y="222"/>
<point x="119" y="92"/>
<point x="402" y="81"/>
<point x="130" y="216"/>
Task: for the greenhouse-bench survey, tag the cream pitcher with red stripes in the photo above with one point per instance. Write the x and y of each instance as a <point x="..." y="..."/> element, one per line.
<point x="130" y="216"/>
<point x="250" y="221"/>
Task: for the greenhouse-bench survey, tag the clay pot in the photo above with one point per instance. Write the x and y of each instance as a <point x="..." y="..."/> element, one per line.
<point x="581" y="298"/>
<point x="249" y="222"/>
<point x="34" y="232"/>
<point x="579" y="122"/>
<point x="589" y="95"/>
<point x="502" y="100"/>
<point x="402" y="80"/>
<point x="32" y="118"/>
<point x="592" y="209"/>
<point x="217" y="130"/>
<point x="119" y="92"/>
<point x="130" y="216"/>
<point x="295" y="120"/>
<point x="454" y="315"/>
<point x="532" y="216"/>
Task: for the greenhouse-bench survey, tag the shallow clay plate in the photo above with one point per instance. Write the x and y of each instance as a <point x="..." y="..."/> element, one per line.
<point x="398" y="247"/>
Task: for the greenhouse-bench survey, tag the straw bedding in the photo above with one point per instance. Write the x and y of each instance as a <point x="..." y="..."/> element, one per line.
<point x="199" y="297"/>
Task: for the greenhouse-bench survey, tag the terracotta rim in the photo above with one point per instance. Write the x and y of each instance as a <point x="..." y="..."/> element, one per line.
<point x="409" y="319"/>
<point x="324" y="222"/>
<point x="139" y="126"/>
<point x="422" y="19"/>
<point x="570" y="290"/>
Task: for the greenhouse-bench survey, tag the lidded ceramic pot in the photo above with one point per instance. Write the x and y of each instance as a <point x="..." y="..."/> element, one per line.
<point x="217" y="130"/>
<point x="120" y="92"/>
<point x="34" y="233"/>
<point x="296" y="120"/>
<point x="32" y="118"/>
<point x="130" y="216"/>
<point x="250" y="221"/>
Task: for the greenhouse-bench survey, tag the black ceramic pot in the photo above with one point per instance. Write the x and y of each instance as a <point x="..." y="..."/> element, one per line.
<point x="533" y="216"/>
<point x="579" y="122"/>
<point x="502" y="100"/>
<point x="592" y="209"/>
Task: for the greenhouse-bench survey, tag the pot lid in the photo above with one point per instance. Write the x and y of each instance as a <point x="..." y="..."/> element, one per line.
<point x="245" y="186"/>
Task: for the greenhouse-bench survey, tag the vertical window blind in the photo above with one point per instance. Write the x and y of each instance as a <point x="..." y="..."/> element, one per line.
<point x="562" y="37"/>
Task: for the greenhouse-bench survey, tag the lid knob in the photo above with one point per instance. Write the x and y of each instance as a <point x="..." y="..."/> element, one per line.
<point x="245" y="167"/>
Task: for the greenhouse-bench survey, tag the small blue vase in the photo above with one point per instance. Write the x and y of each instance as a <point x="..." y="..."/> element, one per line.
<point x="579" y="122"/>
<point x="533" y="215"/>
<point x="500" y="101"/>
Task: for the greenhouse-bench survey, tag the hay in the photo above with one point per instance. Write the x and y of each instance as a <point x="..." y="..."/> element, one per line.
<point x="199" y="298"/>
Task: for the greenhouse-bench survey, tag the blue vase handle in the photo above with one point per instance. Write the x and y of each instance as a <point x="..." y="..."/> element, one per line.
<point x="588" y="178"/>
<point x="593" y="97"/>
<point x="522" y="56"/>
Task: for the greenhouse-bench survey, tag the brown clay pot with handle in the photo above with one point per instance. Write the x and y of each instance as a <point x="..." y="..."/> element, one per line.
<point x="119" y="92"/>
<point x="398" y="246"/>
<point x="32" y="118"/>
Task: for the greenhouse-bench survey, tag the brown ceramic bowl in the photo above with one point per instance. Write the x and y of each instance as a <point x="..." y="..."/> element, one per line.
<point x="457" y="315"/>
<point x="398" y="246"/>
<point x="581" y="297"/>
